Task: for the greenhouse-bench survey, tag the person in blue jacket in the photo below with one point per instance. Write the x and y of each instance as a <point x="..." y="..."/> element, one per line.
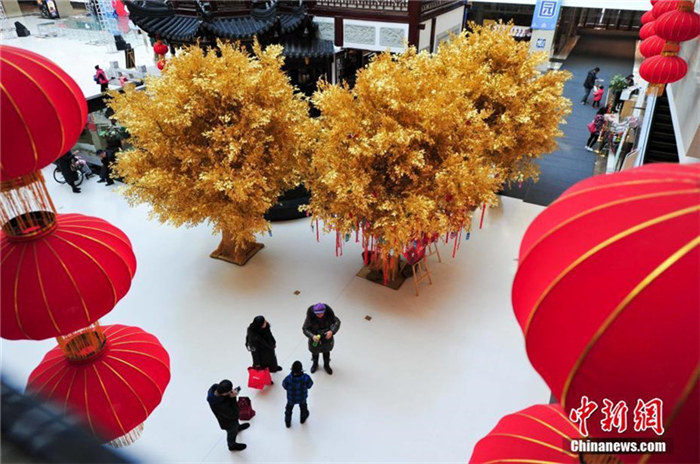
<point x="297" y="384"/>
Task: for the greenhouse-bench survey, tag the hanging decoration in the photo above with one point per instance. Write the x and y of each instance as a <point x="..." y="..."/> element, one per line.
<point x="160" y="49"/>
<point x="62" y="277"/>
<point x="648" y="30"/>
<point x="662" y="69"/>
<point x="414" y="148"/>
<point x="648" y="17"/>
<point x="114" y="388"/>
<point x="664" y="6"/>
<point x="538" y="434"/>
<point x="678" y="25"/>
<point x="652" y="46"/>
<point x="43" y="113"/>
<point x="608" y="275"/>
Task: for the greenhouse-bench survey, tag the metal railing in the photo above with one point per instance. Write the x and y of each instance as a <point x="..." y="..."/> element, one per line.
<point x="380" y="5"/>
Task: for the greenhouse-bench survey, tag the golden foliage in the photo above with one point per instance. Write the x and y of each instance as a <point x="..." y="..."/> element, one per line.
<point x="216" y="138"/>
<point x="522" y="106"/>
<point x="422" y="140"/>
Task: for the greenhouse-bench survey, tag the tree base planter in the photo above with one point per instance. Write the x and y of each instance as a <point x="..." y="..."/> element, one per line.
<point x="239" y="257"/>
<point x="377" y="276"/>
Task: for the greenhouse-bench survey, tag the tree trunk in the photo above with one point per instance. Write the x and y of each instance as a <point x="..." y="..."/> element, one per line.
<point x="228" y="251"/>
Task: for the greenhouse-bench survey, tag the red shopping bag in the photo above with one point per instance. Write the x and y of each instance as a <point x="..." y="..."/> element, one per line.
<point x="258" y="378"/>
<point x="245" y="409"/>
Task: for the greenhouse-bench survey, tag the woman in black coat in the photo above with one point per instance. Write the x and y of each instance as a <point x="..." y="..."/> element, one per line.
<point x="262" y="344"/>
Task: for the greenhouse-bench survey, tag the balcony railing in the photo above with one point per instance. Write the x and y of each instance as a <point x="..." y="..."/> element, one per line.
<point x="376" y="5"/>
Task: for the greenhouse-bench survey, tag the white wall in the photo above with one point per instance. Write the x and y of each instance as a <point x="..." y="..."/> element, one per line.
<point x="684" y="99"/>
<point x="640" y="5"/>
<point x="424" y="38"/>
<point x="446" y="23"/>
<point x="375" y="35"/>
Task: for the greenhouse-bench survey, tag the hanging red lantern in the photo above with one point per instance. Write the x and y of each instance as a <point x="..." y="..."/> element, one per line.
<point x="160" y="48"/>
<point x="161" y="64"/>
<point x="652" y="46"/>
<point x="647" y="30"/>
<point x="607" y="286"/>
<point x="115" y="390"/>
<point x="43" y="112"/>
<point x="62" y="277"/>
<point x="653" y="2"/>
<point x="647" y="17"/>
<point x="678" y="25"/>
<point x="663" y="69"/>
<point x="664" y="6"/>
<point x="538" y="434"/>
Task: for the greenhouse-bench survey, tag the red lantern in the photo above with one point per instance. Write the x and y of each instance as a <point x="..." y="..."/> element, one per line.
<point x="653" y="2"/>
<point x="114" y="391"/>
<point x="538" y="434"/>
<point x="607" y="286"/>
<point x="160" y="48"/>
<point x="662" y="69"/>
<point x="62" y="278"/>
<point x="647" y="30"/>
<point x="43" y="112"/>
<point x="161" y="64"/>
<point x="678" y="26"/>
<point x="647" y="17"/>
<point x="664" y="6"/>
<point x="652" y="46"/>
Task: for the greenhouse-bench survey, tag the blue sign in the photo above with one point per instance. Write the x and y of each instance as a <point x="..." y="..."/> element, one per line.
<point x="546" y="14"/>
<point x="540" y="44"/>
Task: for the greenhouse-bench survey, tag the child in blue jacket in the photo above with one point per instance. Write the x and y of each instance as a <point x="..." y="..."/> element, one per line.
<point x="297" y="385"/>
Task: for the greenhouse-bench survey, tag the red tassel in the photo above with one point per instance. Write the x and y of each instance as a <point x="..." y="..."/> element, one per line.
<point x="483" y="211"/>
<point x="317" y="236"/>
<point x="337" y="234"/>
<point x="386" y="273"/>
<point x="459" y="236"/>
<point x="454" y="249"/>
<point x="357" y="234"/>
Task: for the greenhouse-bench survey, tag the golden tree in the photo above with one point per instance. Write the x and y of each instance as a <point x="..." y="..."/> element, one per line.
<point x="398" y="156"/>
<point x="217" y="139"/>
<point x="522" y="106"/>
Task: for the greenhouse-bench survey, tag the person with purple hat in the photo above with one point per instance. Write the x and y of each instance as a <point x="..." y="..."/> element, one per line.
<point x="320" y="327"/>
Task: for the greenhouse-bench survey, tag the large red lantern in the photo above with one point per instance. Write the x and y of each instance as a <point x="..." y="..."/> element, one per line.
<point x="43" y="112"/>
<point x="647" y="30"/>
<point x="538" y="434"/>
<point x="652" y="46"/>
<point x="62" y="278"/>
<point x="678" y="25"/>
<point x="607" y="295"/>
<point x="115" y="390"/>
<point x="160" y="48"/>
<point x="663" y="69"/>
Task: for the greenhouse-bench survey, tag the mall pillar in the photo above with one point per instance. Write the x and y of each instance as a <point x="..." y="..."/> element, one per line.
<point x="11" y="8"/>
<point x="544" y="24"/>
<point x="65" y="9"/>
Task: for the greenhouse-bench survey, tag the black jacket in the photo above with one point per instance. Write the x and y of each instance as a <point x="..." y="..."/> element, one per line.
<point x="224" y="408"/>
<point x="64" y="164"/>
<point x="261" y="344"/>
<point x="590" y="79"/>
<point x="319" y="326"/>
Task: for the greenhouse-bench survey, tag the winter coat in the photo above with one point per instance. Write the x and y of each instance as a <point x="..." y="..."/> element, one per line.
<point x="297" y="387"/>
<point x="261" y="345"/>
<point x="590" y="80"/>
<point x="319" y="326"/>
<point x="101" y="77"/>
<point x="598" y="122"/>
<point x="598" y="95"/>
<point x="64" y="164"/>
<point x="224" y="408"/>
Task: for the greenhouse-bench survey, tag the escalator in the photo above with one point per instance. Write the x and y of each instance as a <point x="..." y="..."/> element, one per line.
<point x="661" y="146"/>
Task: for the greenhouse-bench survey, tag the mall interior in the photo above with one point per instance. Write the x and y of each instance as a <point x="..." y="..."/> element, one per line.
<point x="197" y="194"/>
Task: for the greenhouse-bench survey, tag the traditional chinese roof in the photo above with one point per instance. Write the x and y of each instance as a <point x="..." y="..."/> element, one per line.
<point x="302" y="48"/>
<point x="159" y="18"/>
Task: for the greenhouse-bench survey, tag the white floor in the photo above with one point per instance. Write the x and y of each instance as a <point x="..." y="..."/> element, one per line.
<point x="421" y="382"/>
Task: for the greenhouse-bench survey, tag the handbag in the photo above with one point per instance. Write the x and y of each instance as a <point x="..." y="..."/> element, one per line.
<point x="245" y="409"/>
<point x="258" y="378"/>
<point x="591" y="127"/>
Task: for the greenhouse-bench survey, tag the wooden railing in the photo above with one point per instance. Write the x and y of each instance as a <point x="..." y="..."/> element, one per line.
<point x="376" y="5"/>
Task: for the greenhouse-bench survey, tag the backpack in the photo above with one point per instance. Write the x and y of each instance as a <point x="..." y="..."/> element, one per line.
<point x="97" y="81"/>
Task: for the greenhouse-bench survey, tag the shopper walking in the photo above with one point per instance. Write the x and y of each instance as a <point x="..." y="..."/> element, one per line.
<point x="65" y="165"/>
<point x="262" y="344"/>
<point x="597" y="96"/>
<point x="594" y="128"/>
<point x="297" y="385"/>
<point x="320" y="328"/>
<point x="222" y="401"/>
<point x="101" y="78"/>
<point x="107" y="159"/>
<point x="589" y="83"/>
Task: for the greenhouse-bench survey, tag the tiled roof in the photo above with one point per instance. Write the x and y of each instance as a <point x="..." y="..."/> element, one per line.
<point x="312" y="48"/>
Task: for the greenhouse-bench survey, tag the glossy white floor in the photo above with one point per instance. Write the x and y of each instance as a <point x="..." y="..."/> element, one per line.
<point x="421" y="382"/>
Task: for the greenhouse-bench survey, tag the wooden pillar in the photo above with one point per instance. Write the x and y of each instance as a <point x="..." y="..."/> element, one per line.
<point x="338" y="32"/>
<point x="414" y="7"/>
